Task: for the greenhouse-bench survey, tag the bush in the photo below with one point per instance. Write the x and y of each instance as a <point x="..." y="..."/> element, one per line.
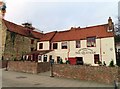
<point x="111" y="64"/>
<point x="61" y="61"/>
<point x="100" y="63"/>
<point x="67" y="62"/>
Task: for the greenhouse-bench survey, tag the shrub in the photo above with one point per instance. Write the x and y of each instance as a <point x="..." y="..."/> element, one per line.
<point x="61" y="61"/>
<point x="111" y="64"/>
<point x="100" y="63"/>
<point x="67" y="62"/>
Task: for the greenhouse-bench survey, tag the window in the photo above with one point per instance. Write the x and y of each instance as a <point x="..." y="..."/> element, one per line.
<point x="32" y="41"/>
<point x="55" y="45"/>
<point x="78" y="44"/>
<point x="41" y="46"/>
<point x="64" y="45"/>
<point x="119" y="50"/>
<point x="32" y="49"/>
<point x="39" y="58"/>
<point x="50" y="57"/>
<point x="45" y="58"/>
<point x="91" y="41"/>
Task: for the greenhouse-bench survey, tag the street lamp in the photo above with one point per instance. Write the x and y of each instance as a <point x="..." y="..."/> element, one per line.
<point x="6" y="65"/>
<point x="51" y="67"/>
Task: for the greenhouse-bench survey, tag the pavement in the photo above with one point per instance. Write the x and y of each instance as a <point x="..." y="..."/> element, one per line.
<point x="18" y="79"/>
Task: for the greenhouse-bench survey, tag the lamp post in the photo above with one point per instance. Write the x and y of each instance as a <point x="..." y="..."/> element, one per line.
<point x="51" y="67"/>
<point x="6" y="65"/>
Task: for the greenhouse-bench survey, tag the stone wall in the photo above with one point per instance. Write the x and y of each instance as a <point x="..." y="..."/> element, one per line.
<point x="28" y="66"/>
<point x="90" y="73"/>
<point x="43" y="67"/>
<point x="3" y="63"/>
<point x="17" y="45"/>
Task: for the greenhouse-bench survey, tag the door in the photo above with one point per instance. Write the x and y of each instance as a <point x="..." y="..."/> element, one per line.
<point x="79" y="61"/>
<point x="96" y="58"/>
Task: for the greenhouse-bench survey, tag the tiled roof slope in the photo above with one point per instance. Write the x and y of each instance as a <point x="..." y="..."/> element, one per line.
<point x="82" y="33"/>
<point x="22" y="30"/>
<point x="48" y="36"/>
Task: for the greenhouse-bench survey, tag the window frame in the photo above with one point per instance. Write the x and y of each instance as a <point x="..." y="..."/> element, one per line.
<point x="90" y="40"/>
<point x="76" y="42"/>
<point x="40" y="45"/>
<point x="56" y="47"/>
<point x="63" y="45"/>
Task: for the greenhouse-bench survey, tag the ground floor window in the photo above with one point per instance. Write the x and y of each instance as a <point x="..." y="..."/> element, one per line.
<point x="45" y="58"/>
<point x="96" y="58"/>
<point x="39" y="58"/>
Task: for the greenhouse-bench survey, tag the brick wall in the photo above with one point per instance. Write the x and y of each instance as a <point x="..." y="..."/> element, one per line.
<point x="3" y="63"/>
<point x="90" y="73"/>
<point x="43" y="67"/>
<point x="28" y="66"/>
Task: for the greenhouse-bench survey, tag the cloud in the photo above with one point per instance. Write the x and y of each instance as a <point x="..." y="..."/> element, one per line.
<point x="59" y="15"/>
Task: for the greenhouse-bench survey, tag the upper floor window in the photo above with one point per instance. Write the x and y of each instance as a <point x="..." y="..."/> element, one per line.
<point x="41" y="46"/>
<point x="64" y="45"/>
<point x="91" y="41"/>
<point x="78" y="44"/>
<point x="32" y="49"/>
<point x="32" y="41"/>
<point x="55" y="45"/>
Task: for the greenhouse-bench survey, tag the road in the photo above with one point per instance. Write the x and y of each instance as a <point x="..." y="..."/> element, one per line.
<point x="18" y="79"/>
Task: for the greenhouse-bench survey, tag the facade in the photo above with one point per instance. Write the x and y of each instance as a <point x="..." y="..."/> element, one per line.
<point x="118" y="53"/>
<point x="90" y="45"/>
<point x="17" y="40"/>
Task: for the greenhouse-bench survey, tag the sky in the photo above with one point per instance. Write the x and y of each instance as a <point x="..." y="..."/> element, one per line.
<point x="58" y="15"/>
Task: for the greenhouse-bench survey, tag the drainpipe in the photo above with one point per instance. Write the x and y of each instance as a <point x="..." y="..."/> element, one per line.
<point x="68" y="51"/>
<point x="100" y="51"/>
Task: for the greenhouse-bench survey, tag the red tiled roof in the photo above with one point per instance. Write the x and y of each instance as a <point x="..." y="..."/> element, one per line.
<point x="82" y="33"/>
<point x="48" y="36"/>
<point x="21" y="30"/>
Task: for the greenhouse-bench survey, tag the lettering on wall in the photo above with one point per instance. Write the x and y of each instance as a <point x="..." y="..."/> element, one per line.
<point x="84" y="51"/>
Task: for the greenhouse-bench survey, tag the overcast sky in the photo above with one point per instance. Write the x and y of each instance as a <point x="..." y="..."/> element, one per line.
<point x="61" y="14"/>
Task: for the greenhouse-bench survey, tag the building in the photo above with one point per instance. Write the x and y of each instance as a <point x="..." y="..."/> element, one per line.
<point x="118" y="53"/>
<point x="17" y="40"/>
<point x="90" y="45"/>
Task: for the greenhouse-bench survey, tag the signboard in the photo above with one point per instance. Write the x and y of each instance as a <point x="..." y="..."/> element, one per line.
<point x="84" y="51"/>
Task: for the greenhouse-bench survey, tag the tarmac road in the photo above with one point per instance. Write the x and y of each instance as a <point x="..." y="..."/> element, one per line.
<point x="18" y="79"/>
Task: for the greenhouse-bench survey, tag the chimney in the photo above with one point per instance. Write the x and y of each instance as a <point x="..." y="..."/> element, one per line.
<point x="110" y="24"/>
<point x="2" y="9"/>
<point x="28" y="25"/>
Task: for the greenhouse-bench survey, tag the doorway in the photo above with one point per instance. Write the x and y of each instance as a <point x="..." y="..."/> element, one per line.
<point x="79" y="61"/>
<point x="96" y="58"/>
